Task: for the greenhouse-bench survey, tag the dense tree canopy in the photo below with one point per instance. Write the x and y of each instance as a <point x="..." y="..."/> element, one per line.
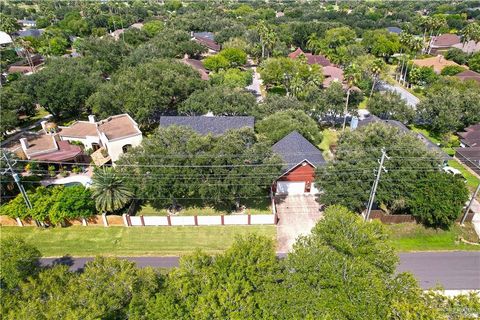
<point x="390" y="105"/>
<point x="278" y="125"/>
<point x="219" y="100"/>
<point x="177" y="165"/>
<point x="349" y="178"/>
<point x="146" y="91"/>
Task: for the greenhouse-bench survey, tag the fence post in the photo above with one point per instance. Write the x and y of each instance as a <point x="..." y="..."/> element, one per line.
<point x="222" y="219"/>
<point x="125" y="221"/>
<point x="196" y="219"/>
<point x="143" y="221"/>
<point x="104" y="219"/>
<point x="249" y="219"/>
<point x="84" y="222"/>
<point x="19" y="222"/>
<point x="169" y="220"/>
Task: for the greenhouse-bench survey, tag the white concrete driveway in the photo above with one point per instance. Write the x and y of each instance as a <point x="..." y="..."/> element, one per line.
<point x="297" y="215"/>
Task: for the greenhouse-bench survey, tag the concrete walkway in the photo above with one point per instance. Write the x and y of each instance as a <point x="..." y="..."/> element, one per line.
<point x="15" y="135"/>
<point x="256" y="83"/>
<point x="297" y="215"/>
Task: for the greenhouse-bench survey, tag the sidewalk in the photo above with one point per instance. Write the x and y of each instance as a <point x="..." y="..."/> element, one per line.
<point x="476" y="218"/>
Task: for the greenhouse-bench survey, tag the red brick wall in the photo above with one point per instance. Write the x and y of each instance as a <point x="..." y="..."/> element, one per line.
<point x="300" y="173"/>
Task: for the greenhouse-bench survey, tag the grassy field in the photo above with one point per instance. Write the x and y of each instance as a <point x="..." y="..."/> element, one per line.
<point x="134" y="241"/>
<point x="414" y="237"/>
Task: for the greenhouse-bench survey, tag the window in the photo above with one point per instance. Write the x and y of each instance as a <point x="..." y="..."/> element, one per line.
<point x="126" y="147"/>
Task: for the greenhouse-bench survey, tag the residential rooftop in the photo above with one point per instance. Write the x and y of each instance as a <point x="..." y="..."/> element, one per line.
<point x="471" y="136"/>
<point x="438" y="63"/>
<point x="311" y="58"/>
<point x="204" y="125"/>
<point x="294" y="149"/>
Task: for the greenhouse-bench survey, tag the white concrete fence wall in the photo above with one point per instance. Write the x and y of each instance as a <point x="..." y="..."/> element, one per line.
<point x="255" y="219"/>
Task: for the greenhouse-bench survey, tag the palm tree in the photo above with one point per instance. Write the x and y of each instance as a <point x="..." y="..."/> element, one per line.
<point x="352" y="74"/>
<point x="263" y="30"/>
<point x="109" y="191"/>
<point x="314" y="43"/>
<point x="376" y="68"/>
<point x="471" y="32"/>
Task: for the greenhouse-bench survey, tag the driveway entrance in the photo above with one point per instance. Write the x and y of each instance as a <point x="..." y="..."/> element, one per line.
<point x="297" y="215"/>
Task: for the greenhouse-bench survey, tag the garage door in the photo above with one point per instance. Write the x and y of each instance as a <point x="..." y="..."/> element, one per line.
<point x="287" y="187"/>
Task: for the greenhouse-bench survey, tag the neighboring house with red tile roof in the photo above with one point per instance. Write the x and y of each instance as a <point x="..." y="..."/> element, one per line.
<point x="115" y="134"/>
<point x="468" y="47"/>
<point x="469" y="75"/>
<point x="443" y="42"/>
<point x="331" y="74"/>
<point x="206" y="39"/>
<point x="311" y="58"/>
<point x="197" y="65"/>
<point x="437" y="63"/>
<point x="471" y="136"/>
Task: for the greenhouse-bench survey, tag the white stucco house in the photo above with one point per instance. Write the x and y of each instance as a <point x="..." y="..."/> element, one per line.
<point x="108" y="139"/>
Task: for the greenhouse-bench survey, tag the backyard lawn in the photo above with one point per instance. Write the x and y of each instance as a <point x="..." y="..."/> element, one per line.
<point x="472" y="180"/>
<point x="415" y="237"/>
<point x="134" y="241"/>
<point x="432" y="137"/>
<point x="330" y="137"/>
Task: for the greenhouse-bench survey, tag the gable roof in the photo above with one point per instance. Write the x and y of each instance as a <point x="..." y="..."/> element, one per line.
<point x="331" y="74"/>
<point x="294" y="149"/>
<point x="206" y="38"/>
<point x="311" y="58"/>
<point x="197" y="65"/>
<point x="468" y="75"/>
<point x="438" y="63"/>
<point x="468" y="47"/>
<point x="429" y="144"/>
<point x="446" y="40"/>
<point x="471" y="136"/>
<point x="207" y="124"/>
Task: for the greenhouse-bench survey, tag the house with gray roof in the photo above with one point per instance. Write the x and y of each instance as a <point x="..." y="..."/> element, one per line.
<point x="400" y="126"/>
<point x="209" y="124"/>
<point x="300" y="158"/>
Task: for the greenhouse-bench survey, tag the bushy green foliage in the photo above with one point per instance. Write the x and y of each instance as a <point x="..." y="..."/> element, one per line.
<point x="219" y="100"/>
<point x="452" y="70"/>
<point x="233" y="78"/>
<point x="146" y="90"/>
<point x="348" y="179"/>
<point x="54" y="204"/>
<point x="390" y="105"/>
<point x="280" y="124"/>
<point x="438" y="199"/>
<point x="182" y="161"/>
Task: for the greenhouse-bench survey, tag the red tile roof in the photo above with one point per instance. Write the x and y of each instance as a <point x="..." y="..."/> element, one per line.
<point x="66" y="151"/>
<point x="446" y="40"/>
<point x="469" y="75"/>
<point x="311" y="58"/>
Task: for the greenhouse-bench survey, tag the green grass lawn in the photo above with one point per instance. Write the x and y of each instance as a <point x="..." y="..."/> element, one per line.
<point x="133" y="241"/>
<point x="415" y="237"/>
<point x="432" y="137"/>
<point x="472" y="180"/>
<point x="330" y="136"/>
<point x="257" y="206"/>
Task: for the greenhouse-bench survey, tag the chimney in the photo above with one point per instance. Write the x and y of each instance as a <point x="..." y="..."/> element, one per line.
<point x="44" y="125"/>
<point x="24" y="143"/>
<point x="91" y="118"/>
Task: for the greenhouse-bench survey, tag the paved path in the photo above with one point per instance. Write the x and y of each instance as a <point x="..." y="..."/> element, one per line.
<point x="453" y="270"/>
<point x="17" y="132"/>
<point x="256" y="83"/>
<point x="405" y="94"/>
<point x="297" y="215"/>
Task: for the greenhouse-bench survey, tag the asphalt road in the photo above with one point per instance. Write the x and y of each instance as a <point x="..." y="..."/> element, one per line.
<point x="452" y="270"/>
<point x="409" y="98"/>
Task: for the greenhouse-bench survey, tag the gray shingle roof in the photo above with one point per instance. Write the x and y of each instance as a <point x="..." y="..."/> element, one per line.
<point x="294" y="148"/>
<point x="206" y="124"/>
<point x="429" y="144"/>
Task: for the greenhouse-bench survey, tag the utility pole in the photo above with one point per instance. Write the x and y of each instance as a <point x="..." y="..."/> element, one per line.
<point x="470" y="204"/>
<point x="375" y="184"/>
<point x="16" y="178"/>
